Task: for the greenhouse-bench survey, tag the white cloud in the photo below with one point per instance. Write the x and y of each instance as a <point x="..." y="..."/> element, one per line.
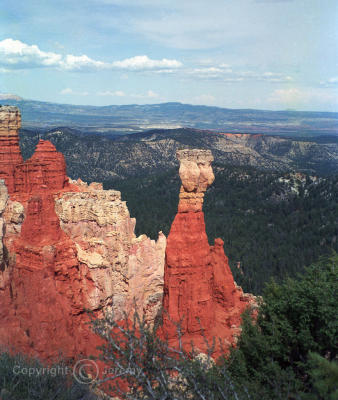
<point x="274" y="77"/>
<point x="14" y="53"/>
<point x="210" y="72"/>
<point x="77" y="63"/>
<point x="331" y="82"/>
<point x="265" y="76"/>
<point x="19" y="55"/>
<point x="149" y="95"/>
<point x="117" y="93"/>
<point x="68" y="91"/>
<point x="145" y="63"/>
<point x="165" y="71"/>
<point x="226" y="73"/>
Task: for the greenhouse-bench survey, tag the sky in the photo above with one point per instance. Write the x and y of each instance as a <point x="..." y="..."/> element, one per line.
<point x="262" y="54"/>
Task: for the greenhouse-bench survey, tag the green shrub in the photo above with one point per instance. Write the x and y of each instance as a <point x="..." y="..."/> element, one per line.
<point x="296" y="318"/>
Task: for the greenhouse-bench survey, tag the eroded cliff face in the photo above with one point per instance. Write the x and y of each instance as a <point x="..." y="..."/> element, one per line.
<point x="123" y="268"/>
<point x="65" y="247"/>
<point x="199" y="289"/>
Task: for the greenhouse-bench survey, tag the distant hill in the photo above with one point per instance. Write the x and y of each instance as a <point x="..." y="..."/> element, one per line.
<point x="115" y="120"/>
<point x="105" y="159"/>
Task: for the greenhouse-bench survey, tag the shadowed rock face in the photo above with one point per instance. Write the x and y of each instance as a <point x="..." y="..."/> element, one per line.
<point x="3" y="204"/>
<point x="198" y="285"/>
<point x="65" y="246"/>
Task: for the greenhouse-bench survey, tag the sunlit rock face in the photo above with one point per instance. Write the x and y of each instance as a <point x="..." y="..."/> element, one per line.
<point x="65" y="247"/>
<point x="10" y="155"/>
<point x="199" y="289"/>
<point x="123" y="267"/>
<point x="196" y="175"/>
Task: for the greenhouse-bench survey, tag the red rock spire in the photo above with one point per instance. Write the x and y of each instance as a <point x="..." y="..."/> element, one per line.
<point x="198" y="285"/>
<point x="10" y="155"/>
<point x="46" y="169"/>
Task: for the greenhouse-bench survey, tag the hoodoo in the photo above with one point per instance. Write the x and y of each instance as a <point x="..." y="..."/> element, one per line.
<point x="10" y="155"/>
<point x="65" y="247"/>
<point x="199" y="290"/>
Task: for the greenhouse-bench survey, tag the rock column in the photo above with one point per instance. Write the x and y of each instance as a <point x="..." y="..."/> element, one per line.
<point x="199" y="289"/>
<point x="188" y="268"/>
<point x="10" y="155"/>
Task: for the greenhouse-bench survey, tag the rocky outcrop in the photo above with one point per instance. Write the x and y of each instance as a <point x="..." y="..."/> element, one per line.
<point x="10" y="155"/>
<point x="123" y="268"/>
<point x="199" y="290"/>
<point x="66" y="247"/>
<point x="45" y="170"/>
<point x="196" y="175"/>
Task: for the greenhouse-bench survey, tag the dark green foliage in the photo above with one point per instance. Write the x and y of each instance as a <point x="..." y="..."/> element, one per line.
<point x="23" y="378"/>
<point x="152" y="200"/>
<point x="272" y="227"/>
<point x="295" y="318"/>
<point x="324" y="376"/>
<point x="272" y="223"/>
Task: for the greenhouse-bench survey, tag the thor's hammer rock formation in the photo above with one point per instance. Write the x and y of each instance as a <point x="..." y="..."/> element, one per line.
<point x="199" y="289"/>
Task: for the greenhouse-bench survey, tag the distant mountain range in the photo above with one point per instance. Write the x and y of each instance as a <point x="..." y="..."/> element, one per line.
<point x="107" y="159"/>
<point x="116" y="120"/>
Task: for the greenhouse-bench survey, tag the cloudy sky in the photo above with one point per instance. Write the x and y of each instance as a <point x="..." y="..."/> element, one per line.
<point x="270" y="54"/>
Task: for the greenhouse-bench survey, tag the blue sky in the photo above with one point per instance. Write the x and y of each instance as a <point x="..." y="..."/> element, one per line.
<point x="267" y="54"/>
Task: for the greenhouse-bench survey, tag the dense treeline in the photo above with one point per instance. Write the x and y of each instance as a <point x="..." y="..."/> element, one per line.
<point x="290" y="351"/>
<point x="273" y="224"/>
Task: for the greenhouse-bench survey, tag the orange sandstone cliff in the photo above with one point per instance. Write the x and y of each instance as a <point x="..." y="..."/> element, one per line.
<point x="199" y="289"/>
<point x="65" y="247"/>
